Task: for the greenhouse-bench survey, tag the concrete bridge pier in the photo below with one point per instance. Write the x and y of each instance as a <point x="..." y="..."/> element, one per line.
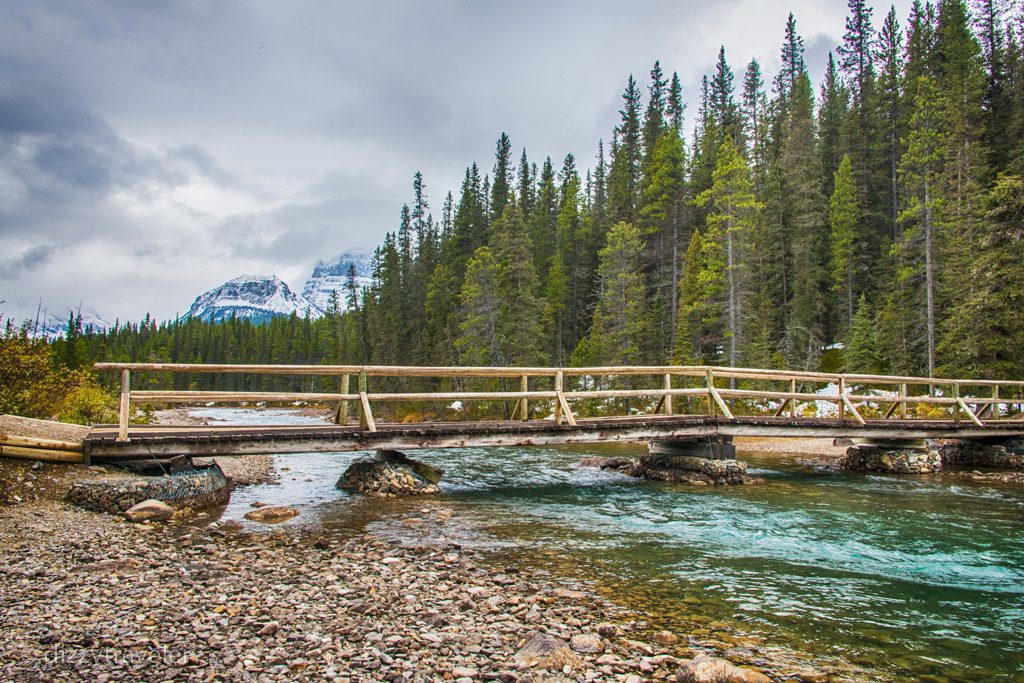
<point x="700" y="460"/>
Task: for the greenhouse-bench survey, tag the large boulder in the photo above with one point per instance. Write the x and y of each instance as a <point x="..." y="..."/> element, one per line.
<point x="547" y="652"/>
<point x="149" y="511"/>
<point x="707" y="669"/>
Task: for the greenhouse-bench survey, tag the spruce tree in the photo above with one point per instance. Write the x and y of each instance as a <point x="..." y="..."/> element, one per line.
<point x="520" y="320"/>
<point x="479" y="342"/>
<point x="502" y="184"/>
<point x="808" y="225"/>
<point x="861" y="350"/>
<point x="844" y="219"/>
<point x="984" y="334"/>
<point x="621" y="326"/>
<point x="733" y="216"/>
<point x="624" y="175"/>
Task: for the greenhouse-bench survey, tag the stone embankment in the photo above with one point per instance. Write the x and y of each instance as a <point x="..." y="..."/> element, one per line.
<point x="936" y="457"/>
<point x="92" y="597"/>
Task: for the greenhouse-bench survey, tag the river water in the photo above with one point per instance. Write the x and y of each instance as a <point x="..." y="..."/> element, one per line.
<point x="880" y="577"/>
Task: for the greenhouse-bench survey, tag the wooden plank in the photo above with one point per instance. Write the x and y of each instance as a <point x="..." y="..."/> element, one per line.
<point x="566" y="410"/>
<point x="366" y="415"/>
<point x="970" y="413"/>
<point x="449" y="371"/>
<point x="236" y="397"/>
<point x="853" y="409"/>
<point x="721" y="403"/>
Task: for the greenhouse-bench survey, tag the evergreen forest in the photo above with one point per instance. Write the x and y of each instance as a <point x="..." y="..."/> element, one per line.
<point x="872" y="222"/>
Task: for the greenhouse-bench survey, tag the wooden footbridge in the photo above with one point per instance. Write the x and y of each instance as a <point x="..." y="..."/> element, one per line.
<point x="564" y="406"/>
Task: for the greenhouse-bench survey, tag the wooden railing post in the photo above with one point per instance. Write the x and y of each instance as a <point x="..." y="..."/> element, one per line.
<point x="956" y="406"/>
<point x="710" y="380"/>
<point x="342" y="416"/>
<point x="558" y="400"/>
<point x="524" y="406"/>
<point x="905" y="395"/>
<point x="667" y="405"/>
<point x="842" y="401"/>
<point x="124" y="413"/>
<point x="792" y="400"/>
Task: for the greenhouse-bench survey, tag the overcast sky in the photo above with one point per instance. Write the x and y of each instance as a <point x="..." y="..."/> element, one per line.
<point x="151" y="150"/>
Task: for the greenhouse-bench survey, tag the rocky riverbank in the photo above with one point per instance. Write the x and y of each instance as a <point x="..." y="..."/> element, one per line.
<point x="90" y="596"/>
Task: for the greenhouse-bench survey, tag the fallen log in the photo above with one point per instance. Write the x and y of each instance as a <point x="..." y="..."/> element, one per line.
<point x="43" y="454"/>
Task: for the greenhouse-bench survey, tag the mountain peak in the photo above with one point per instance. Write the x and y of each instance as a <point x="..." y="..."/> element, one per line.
<point x="256" y="297"/>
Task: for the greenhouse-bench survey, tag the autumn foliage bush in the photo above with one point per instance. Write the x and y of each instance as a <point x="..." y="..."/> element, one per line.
<point x="33" y="383"/>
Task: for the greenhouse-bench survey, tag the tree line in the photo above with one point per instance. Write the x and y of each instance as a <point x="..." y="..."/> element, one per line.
<point x="879" y="212"/>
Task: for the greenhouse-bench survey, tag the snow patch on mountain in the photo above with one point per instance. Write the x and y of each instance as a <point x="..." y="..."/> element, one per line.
<point x="331" y="276"/>
<point x="256" y="297"/>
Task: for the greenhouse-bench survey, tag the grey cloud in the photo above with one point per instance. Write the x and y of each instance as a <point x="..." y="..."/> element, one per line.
<point x="28" y="260"/>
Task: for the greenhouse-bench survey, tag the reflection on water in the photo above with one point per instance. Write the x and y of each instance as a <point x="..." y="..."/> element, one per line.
<point x="909" y="578"/>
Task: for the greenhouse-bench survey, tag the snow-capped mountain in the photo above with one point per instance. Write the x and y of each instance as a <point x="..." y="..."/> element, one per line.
<point x="330" y="277"/>
<point x="257" y="297"/>
<point x="52" y="326"/>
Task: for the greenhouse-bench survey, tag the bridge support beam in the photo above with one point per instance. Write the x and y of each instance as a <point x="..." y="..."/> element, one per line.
<point x="718" y="448"/>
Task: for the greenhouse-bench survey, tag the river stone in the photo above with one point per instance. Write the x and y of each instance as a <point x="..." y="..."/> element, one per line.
<point x="587" y="643"/>
<point x="271" y="515"/>
<point x="547" y="652"/>
<point x="706" y="669"/>
<point x="386" y="477"/>
<point x="149" y="511"/>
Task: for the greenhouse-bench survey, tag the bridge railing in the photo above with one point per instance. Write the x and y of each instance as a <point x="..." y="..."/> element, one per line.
<point x="717" y="389"/>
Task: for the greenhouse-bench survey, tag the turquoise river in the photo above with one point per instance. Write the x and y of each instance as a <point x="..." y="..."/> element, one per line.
<point x="877" y="577"/>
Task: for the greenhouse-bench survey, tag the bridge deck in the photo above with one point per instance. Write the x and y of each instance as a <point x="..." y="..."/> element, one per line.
<point x="147" y="441"/>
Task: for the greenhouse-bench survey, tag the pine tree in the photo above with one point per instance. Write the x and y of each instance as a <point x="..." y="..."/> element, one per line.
<point x="861" y="353"/>
<point x="520" y="311"/>
<point x="654" y="116"/>
<point x="856" y="55"/>
<point x="662" y="219"/>
<point x="921" y="170"/>
<point x="675" y="106"/>
<point x="844" y="218"/>
<point x="984" y="334"/>
<point x="733" y="215"/>
<point x="543" y="224"/>
<point x="527" y="187"/>
<point x="808" y="224"/>
<point x="998" y="105"/>
<point x="502" y="184"/>
<point x="792" y="59"/>
<point x="889" y="56"/>
<point x="689" y="342"/>
<point x="835" y="101"/>
<point x="620" y="328"/>
<point x="479" y="342"/>
<point x="723" y="102"/>
<point x="624" y="176"/>
<point x="752" y="110"/>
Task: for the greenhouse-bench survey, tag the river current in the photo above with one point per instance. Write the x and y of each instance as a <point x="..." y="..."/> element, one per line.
<point x="881" y="577"/>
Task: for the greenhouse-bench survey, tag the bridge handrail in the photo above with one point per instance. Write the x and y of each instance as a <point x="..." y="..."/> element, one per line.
<point x="717" y="397"/>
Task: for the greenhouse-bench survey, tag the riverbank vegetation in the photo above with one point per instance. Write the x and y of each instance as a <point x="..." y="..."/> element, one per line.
<point x="878" y="212"/>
